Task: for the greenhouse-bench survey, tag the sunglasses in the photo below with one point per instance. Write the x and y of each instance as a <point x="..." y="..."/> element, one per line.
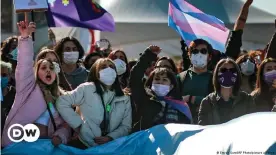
<point x="202" y="51"/>
<point x="223" y="70"/>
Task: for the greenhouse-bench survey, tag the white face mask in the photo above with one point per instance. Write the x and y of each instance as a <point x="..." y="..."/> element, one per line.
<point x="70" y="57"/>
<point x="247" y="68"/>
<point x="120" y="66"/>
<point x="199" y="60"/>
<point x="160" y="90"/>
<point x="108" y="76"/>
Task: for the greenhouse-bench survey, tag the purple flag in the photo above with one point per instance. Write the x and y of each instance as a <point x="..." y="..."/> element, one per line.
<point x="181" y="106"/>
<point x="79" y="13"/>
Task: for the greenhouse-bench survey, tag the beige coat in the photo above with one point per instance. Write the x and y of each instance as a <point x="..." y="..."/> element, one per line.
<point x="92" y="112"/>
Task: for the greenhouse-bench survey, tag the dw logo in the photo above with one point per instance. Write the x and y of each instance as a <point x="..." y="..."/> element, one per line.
<point x="29" y="133"/>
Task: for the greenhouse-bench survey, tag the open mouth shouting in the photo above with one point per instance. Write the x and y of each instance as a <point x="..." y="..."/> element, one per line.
<point x="46" y="73"/>
<point x="48" y="77"/>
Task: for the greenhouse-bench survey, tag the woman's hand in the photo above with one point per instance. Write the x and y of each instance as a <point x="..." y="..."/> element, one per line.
<point x="102" y="140"/>
<point x="26" y="28"/>
<point x="56" y="141"/>
<point x="155" y="49"/>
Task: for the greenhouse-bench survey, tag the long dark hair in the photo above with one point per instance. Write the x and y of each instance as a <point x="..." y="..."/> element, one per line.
<point x="6" y="48"/>
<point x="238" y="83"/>
<point x="175" y="92"/>
<point x="88" y="57"/>
<point x="62" y="79"/>
<point x="59" y="47"/>
<point x="124" y="77"/>
<point x="262" y="88"/>
<point x="94" y="76"/>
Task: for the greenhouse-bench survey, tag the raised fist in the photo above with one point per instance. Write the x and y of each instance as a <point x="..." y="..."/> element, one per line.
<point x="155" y="49"/>
<point x="26" y="28"/>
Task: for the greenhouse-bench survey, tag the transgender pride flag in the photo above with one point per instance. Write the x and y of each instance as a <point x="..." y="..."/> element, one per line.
<point x="191" y="24"/>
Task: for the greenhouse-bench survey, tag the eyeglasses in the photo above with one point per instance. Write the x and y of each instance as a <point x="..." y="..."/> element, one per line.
<point x="223" y="70"/>
<point x="202" y="51"/>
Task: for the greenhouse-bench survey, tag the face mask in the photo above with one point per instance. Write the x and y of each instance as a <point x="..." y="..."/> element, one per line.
<point x="247" y="68"/>
<point x="4" y="82"/>
<point x="199" y="60"/>
<point x="227" y="79"/>
<point x="160" y="90"/>
<point x="108" y="76"/>
<point x="14" y="54"/>
<point x="70" y="57"/>
<point x="120" y="66"/>
<point x="270" y="76"/>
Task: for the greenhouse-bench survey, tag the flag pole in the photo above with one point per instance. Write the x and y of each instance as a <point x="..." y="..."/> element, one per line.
<point x="33" y="20"/>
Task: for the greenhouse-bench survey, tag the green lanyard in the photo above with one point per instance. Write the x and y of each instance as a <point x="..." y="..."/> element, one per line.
<point x="108" y="108"/>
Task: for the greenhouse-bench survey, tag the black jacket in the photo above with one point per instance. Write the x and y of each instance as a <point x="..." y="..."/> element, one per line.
<point x="213" y="109"/>
<point x="147" y="104"/>
<point x="263" y="103"/>
<point x="6" y="105"/>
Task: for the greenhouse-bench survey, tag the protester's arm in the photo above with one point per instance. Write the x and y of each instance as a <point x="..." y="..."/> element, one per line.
<point x="65" y="103"/>
<point x="204" y="110"/>
<point x="235" y="41"/>
<point x="185" y="56"/>
<point x="241" y="21"/>
<point x="125" y="126"/>
<point x="137" y="74"/>
<point x="271" y="51"/>
<point x="24" y="72"/>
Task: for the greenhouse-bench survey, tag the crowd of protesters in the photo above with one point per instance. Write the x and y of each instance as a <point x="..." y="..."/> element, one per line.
<point x="91" y="101"/>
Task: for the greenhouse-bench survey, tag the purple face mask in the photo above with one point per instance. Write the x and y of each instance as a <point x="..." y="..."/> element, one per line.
<point x="227" y="79"/>
<point x="270" y="76"/>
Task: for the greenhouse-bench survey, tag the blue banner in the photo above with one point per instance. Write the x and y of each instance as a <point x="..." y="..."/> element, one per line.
<point x="250" y="134"/>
